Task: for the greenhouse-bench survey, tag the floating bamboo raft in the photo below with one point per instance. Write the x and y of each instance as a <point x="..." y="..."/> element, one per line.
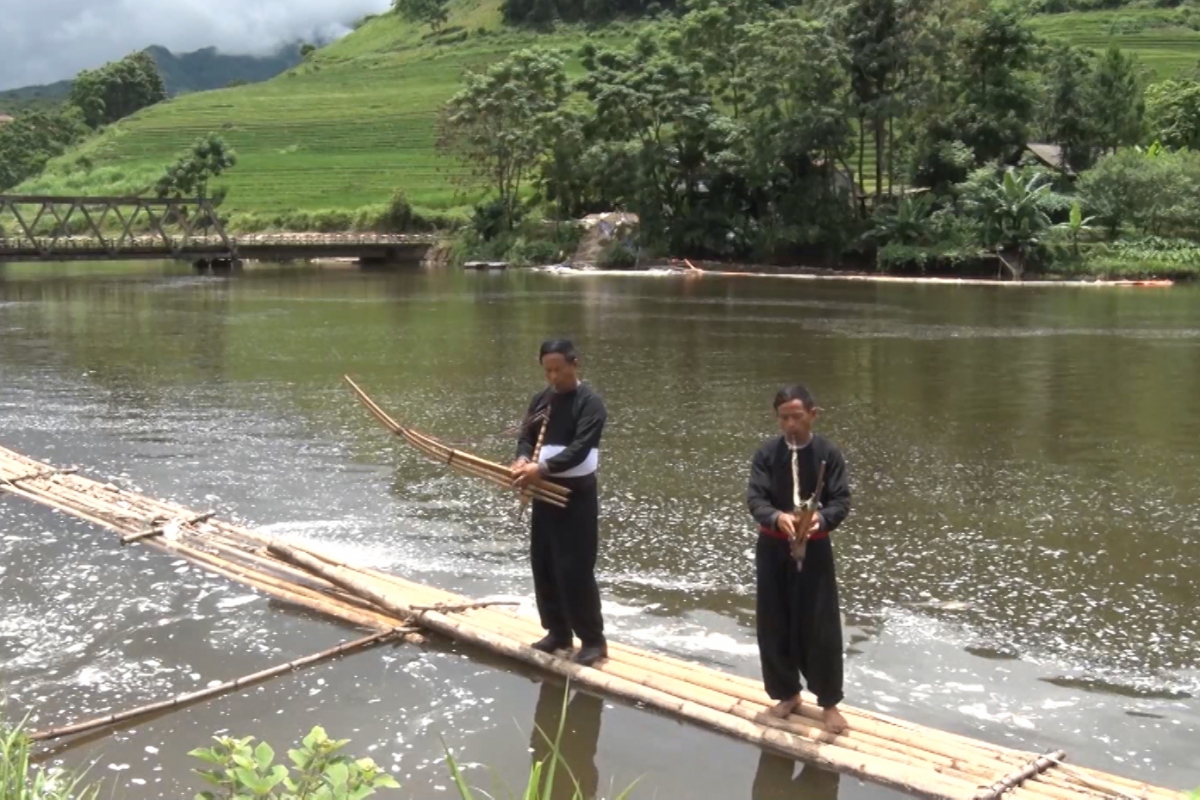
<point x="914" y="759"/>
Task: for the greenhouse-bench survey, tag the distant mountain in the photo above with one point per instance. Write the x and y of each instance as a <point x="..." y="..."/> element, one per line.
<point x="208" y="69"/>
<point x="189" y="72"/>
<point x="30" y="97"/>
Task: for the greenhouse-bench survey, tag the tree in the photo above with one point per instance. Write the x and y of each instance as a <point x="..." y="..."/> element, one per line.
<point x="713" y="35"/>
<point x="653" y="116"/>
<point x="873" y="30"/>
<point x="976" y="91"/>
<point x="117" y="89"/>
<point x="32" y="139"/>
<point x="495" y="125"/>
<point x="1067" y="118"/>
<point x="189" y="176"/>
<point x="431" y="12"/>
<point x="1173" y="113"/>
<point x="997" y="97"/>
<point x="798" y="132"/>
<point x="1117" y="98"/>
<point x="307" y="49"/>
<point x="1154" y="190"/>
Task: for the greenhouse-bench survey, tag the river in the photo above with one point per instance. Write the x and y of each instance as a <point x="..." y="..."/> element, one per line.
<point x="1021" y="563"/>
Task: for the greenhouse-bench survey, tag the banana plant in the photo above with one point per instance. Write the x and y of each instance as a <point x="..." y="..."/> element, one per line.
<point x="1076" y="224"/>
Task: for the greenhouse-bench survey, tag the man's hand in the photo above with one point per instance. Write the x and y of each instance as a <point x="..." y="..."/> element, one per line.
<point x="786" y="523"/>
<point x="816" y="525"/>
<point x="518" y="463"/>
<point x="524" y="474"/>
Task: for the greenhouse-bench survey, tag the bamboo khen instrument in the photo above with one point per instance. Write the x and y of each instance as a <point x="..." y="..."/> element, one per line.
<point x="537" y="454"/>
<point x="915" y="759"/>
<point x="546" y="491"/>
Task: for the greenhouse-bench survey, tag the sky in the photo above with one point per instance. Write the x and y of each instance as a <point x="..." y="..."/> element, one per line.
<point x="42" y="41"/>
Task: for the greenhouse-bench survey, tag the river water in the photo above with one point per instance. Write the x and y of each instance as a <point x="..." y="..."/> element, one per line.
<point x="1022" y="562"/>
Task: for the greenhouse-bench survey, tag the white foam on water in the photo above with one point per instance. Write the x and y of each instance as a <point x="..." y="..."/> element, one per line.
<point x="234" y="602"/>
<point x="697" y="641"/>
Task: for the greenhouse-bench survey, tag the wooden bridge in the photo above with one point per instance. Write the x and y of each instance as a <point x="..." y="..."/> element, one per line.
<point x="51" y="228"/>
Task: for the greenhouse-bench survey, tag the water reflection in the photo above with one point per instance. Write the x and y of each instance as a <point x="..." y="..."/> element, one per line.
<point x="776" y="780"/>
<point x="577" y="747"/>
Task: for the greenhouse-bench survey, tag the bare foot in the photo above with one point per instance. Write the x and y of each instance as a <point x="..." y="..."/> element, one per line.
<point x="784" y="707"/>
<point x="834" y="721"/>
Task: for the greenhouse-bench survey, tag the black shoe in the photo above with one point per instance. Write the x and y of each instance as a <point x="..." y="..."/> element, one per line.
<point x="551" y="643"/>
<point x="588" y="655"/>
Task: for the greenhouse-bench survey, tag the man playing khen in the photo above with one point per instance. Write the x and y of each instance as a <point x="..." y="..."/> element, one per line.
<point x="798" y="619"/>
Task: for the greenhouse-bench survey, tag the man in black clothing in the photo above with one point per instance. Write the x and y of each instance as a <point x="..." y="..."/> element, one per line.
<point x="564" y="541"/>
<point x="798" y="619"/>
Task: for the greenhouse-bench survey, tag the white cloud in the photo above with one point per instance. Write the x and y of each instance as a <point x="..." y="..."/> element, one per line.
<point x="42" y="41"/>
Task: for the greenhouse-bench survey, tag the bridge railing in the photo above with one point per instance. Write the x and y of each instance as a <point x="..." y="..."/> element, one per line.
<point x="50" y="223"/>
<point x="36" y="226"/>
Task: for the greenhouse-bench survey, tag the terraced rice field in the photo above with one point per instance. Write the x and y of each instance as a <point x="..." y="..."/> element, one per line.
<point x="1162" y="44"/>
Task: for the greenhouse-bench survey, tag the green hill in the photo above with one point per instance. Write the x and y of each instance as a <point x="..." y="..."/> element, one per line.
<point x="356" y="122"/>
<point x="341" y="131"/>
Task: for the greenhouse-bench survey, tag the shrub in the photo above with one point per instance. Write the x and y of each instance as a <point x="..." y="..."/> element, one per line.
<point x="319" y="770"/>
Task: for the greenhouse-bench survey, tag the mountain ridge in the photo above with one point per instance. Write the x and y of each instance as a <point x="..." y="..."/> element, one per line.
<point x="195" y="71"/>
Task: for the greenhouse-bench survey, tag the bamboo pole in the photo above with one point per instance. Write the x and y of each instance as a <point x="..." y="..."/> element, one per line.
<point x="192" y="697"/>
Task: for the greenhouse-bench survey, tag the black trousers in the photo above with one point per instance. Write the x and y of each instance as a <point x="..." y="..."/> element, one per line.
<point x="799" y="622"/>
<point x="563" y="545"/>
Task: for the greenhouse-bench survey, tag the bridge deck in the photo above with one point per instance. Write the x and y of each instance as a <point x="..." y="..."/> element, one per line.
<point x="265" y="246"/>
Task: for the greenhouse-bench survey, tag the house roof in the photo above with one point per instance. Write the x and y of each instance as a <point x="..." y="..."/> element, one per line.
<point x="1051" y="155"/>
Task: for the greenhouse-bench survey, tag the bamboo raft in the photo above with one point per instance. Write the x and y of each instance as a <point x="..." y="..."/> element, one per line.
<point x="914" y="759"/>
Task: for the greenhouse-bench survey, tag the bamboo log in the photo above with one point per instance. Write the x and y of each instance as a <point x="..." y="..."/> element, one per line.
<point x="192" y="697"/>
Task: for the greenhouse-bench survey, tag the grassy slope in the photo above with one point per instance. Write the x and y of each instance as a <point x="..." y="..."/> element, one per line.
<point x="355" y="123"/>
<point x="339" y="132"/>
<point x="1162" y="45"/>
